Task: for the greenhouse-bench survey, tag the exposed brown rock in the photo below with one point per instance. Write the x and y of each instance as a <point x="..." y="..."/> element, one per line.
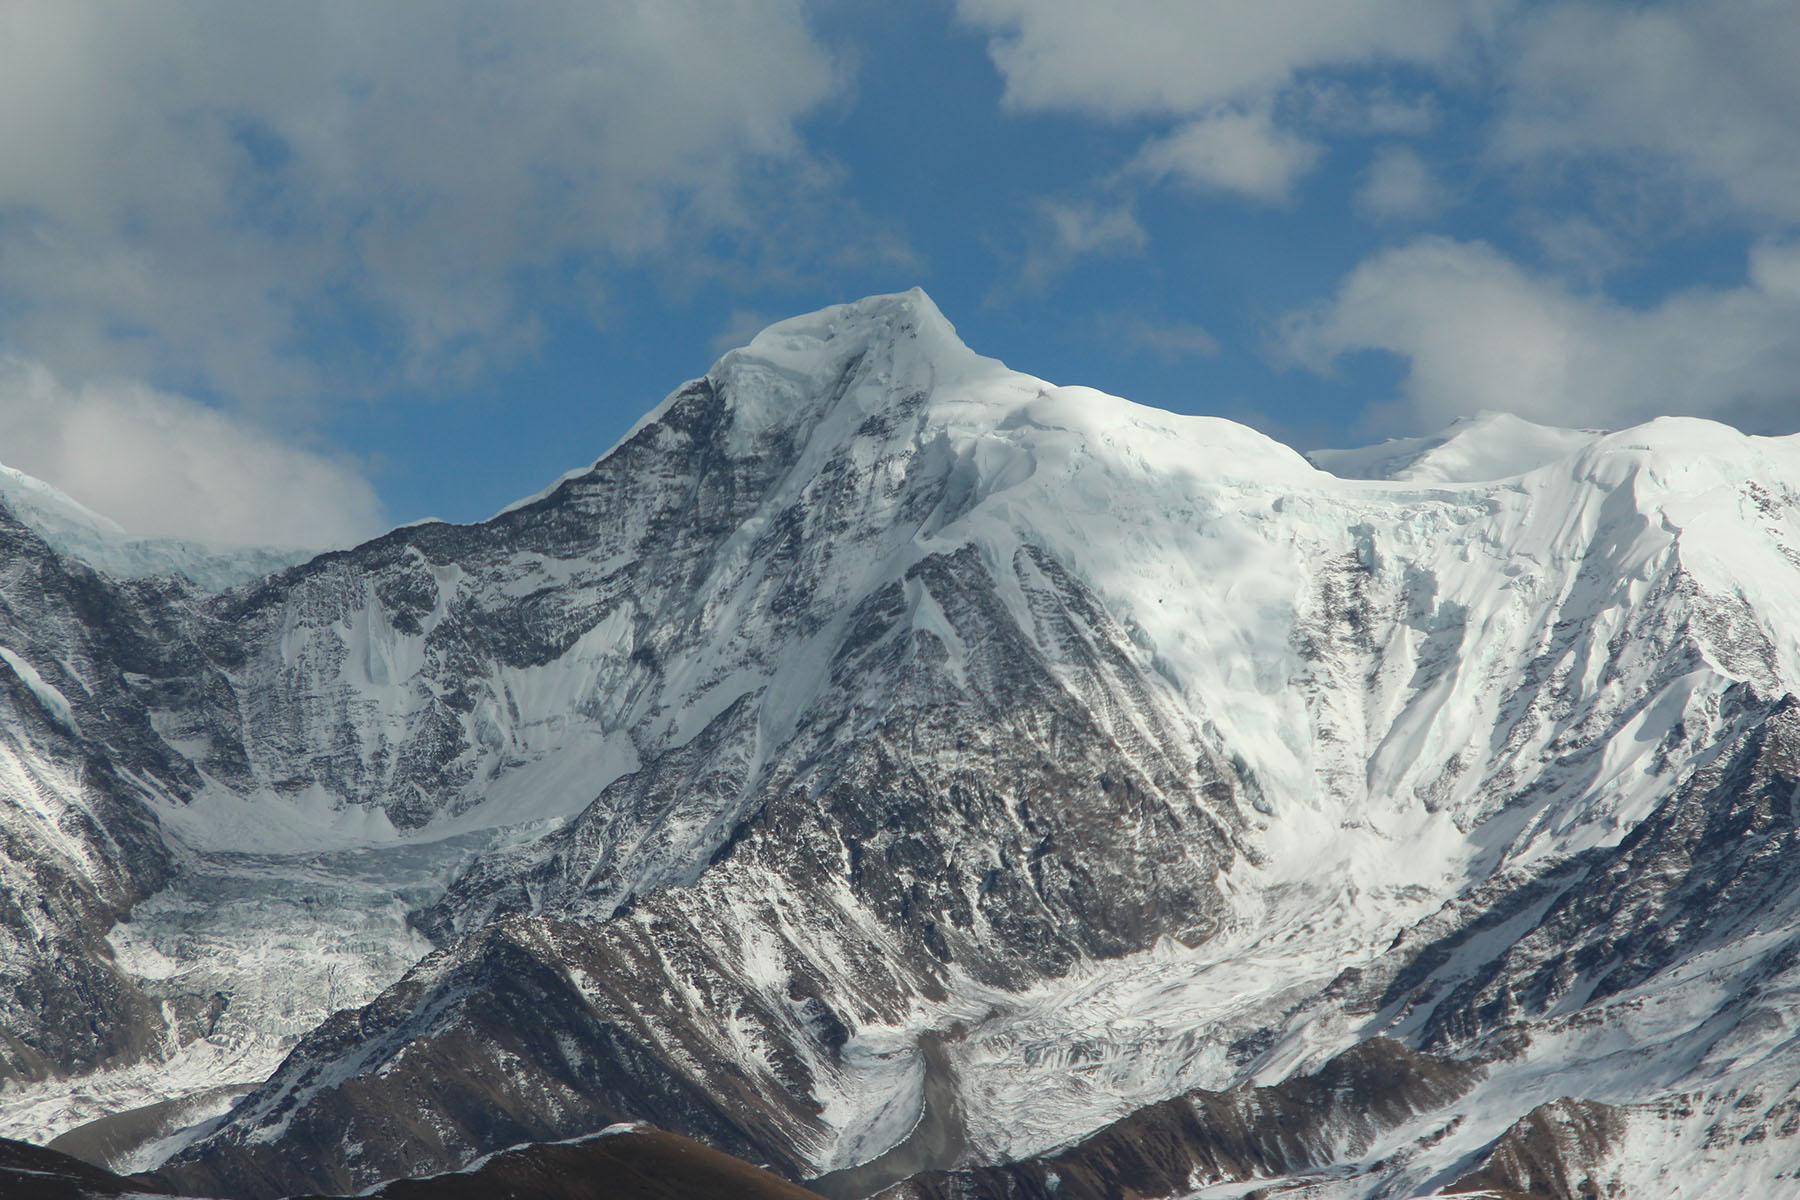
<point x="641" y="1164"/>
<point x="1205" y="1137"/>
<point x="1556" y="1152"/>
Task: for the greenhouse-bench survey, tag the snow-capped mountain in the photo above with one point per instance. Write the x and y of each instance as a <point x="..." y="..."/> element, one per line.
<point x="884" y="762"/>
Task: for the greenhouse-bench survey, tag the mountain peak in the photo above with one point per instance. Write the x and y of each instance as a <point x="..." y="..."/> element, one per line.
<point x="893" y="316"/>
<point x="905" y="328"/>
<point x="849" y="361"/>
<point x="870" y="683"/>
<point x="905" y="332"/>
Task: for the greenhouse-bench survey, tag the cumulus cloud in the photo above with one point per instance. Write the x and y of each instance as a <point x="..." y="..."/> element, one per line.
<point x="1238" y="152"/>
<point x="1398" y="186"/>
<point x="161" y="464"/>
<point x="1480" y="332"/>
<point x="1707" y="95"/>
<point x="1239" y="85"/>
<point x="1186" y="56"/>
<point x="212" y="193"/>
<point x="1700" y="103"/>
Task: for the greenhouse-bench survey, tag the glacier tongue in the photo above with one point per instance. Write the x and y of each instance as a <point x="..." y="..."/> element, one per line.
<point x="245" y="954"/>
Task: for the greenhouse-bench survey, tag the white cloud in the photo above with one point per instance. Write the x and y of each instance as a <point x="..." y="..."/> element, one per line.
<point x="1398" y="186"/>
<point x="1241" y="83"/>
<point x="1336" y="106"/>
<point x="1187" y="56"/>
<point x="1478" y="332"/>
<point x="1069" y="231"/>
<point x="1707" y="95"/>
<point x="1581" y="246"/>
<point x="1238" y="152"/>
<point x="207" y="193"/>
<point x="162" y="464"/>
<point x="1688" y="104"/>
<point x="1775" y="269"/>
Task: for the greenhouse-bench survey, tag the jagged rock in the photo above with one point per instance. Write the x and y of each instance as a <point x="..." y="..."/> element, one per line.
<point x="1556" y="1151"/>
<point x="1715" y="859"/>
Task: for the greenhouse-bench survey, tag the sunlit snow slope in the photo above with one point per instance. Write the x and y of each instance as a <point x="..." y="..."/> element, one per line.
<point x="884" y="755"/>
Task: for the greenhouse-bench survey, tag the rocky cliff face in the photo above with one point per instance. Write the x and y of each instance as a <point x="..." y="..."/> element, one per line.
<point x="78" y="847"/>
<point x="880" y="740"/>
<point x="1552" y="1151"/>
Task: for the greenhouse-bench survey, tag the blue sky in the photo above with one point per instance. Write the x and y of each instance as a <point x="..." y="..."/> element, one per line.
<point x="293" y="273"/>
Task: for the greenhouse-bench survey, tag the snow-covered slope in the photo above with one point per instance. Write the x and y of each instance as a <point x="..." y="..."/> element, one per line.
<point x="884" y="755"/>
<point x="1490" y="445"/>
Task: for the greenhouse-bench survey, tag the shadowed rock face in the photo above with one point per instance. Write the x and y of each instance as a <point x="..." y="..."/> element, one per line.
<point x="514" y="1053"/>
<point x="1203" y="1138"/>
<point x="1556" y="1151"/>
<point x="77" y="848"/>
<point x="30" y="1172"/>
<point x="634" y="1164"/>
<point x="1718" y="858"/>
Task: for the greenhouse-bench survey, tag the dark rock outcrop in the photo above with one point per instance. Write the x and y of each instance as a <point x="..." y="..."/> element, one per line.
<point x="1202" y="1137"/>
<point x="1719" y="857"/>
<point x="1557" y="1151"/>
<point x="30" y="1172"/>
<point x="634" y="1164"/>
